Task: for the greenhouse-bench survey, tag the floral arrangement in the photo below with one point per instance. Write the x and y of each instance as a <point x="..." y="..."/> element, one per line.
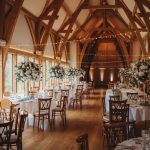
<point x="28" y="71"/>
<point x="79" y="72"/>
<point x="124" y="72"/>
<point x="74" y="72"/>
<point x="57" y="71"/>
<point x="128" y="75"/>
<point x="141" y="70"/>
<point x="70" y="72"/>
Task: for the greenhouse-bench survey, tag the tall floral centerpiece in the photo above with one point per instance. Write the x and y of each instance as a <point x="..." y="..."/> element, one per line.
<point x="141" y="70"/>
<point x="79" y="72"/>
<point x="28" y="71"/>
<point x="127" y="75"/>
<point x="57" y="71"/>
<point x="70" y="72"/>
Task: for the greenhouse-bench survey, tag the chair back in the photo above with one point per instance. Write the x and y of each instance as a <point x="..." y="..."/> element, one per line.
<point x="82" y="142"/>
<point x="21" y="125"/>
<point x="111" y="85"/>
<point x="80" y="86"/>
<point x="132" y="96"/>
<point x="115" y="98"/>
<point x="64" y="92"/>
<point x="68" y="86"/>
<point x="5" y="127"/>
<point x="115" y="133"/>
<point x="118" y="111"/>
<point x="15" y="112"/>
<point x="49" y="92"/>
<point x="63" y="102"/>
<point x="44" y="104"/>
<point x="79" y="93"/>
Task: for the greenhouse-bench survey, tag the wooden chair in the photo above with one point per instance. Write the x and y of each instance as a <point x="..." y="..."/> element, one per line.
<point x="115" y="133"/>
<point x="60" y="110"/>
<point x="17" y="139"/>
<point x="15" y="112"/>
<point x="5" y="138"/>
<point x="80" y="86"/>
<point x="111" y="85"/>
<point x="115" y="98"/>
<point x="118" y="111"/>
<point x="14" y="115"/>
<point x="43" y="111"/>
<point x="132" y="96"/>
<point x="82" y="142"/>
<point x="65" y="93"/>
<point x="78" y="99"/>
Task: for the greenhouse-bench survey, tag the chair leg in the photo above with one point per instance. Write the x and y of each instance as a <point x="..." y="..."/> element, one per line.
<point x="43" y="122"/>
<point x="34" y="122"/>
<point x="73" y="103"/>
<point x="80" y="103"/>
<point x="38" y="121"/>
<point x="49" y="121"/>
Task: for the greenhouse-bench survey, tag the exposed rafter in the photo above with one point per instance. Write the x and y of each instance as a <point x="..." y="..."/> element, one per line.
<point x="133" y="20"/>
<point x="10" y="22"/>
<point x="54" y="7"/>
<point x="142" y="10"/>
<point x="101" y="7"/>
<point x="69" y="25"/>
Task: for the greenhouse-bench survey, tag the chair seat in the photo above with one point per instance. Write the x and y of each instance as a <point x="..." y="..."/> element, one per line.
<point x="13" y="139"/>
<point x="41" y="113"/>
<point x="57" y="109"/>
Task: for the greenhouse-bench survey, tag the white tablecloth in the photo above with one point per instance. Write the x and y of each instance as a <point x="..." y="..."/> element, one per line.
<point x="136" y="111"/>
<point x="132" y="144"/>
<point x="31" y="107"/>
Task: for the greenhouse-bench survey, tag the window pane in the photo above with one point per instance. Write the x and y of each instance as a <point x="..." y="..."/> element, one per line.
<point x="20" y="84"/>
<point x="9" y="74"/>
<point x="47" y="73"/>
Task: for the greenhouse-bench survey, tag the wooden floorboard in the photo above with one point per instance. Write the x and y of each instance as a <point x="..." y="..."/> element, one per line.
<point x="88" y="120"/>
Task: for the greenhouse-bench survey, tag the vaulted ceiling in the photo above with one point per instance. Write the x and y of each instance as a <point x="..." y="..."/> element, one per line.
<point x="84" y="21"/>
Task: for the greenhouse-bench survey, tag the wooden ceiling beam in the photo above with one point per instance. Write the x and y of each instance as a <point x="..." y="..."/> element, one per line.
<point x="132" y="20"/>
<point x="146" y="3"/>
<point x="48" y="29"/>
<point x="146" y="14"/>
<point x="69" y="24"/>
<point x="69" y="13"/>
<point x="101" y="7"/>
<point x="10" y="23"/>
<point x="2" y="17"/>
<point x="142" y="10"/>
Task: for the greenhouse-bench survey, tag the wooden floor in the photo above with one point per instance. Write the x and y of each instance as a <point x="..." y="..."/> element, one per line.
<point x="88" y="120"/>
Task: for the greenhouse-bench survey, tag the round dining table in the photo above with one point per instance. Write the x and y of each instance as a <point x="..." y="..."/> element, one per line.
<point x="131" y="144"/>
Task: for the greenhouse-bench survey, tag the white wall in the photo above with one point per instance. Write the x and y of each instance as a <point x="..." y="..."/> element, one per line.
<point x="21" y="38"/>
<point x="49" y="49"/>
<point x="73" y="54"/>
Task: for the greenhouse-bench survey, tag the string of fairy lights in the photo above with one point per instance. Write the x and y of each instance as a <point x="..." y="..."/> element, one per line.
<point x="22" y="46"/>
<point x="76" y="40"/>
